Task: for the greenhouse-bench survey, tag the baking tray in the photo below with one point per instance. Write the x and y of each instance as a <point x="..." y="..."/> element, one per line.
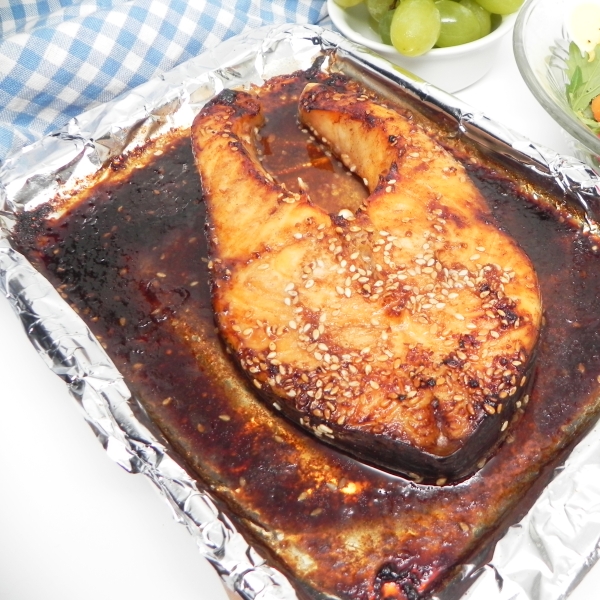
<point x="61" y="162"/>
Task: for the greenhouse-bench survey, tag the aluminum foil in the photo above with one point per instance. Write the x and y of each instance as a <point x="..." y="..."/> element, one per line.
<point x="541" y="558"/>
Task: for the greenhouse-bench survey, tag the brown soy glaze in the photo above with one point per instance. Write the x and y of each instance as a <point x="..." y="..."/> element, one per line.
<point x="129" y="258"/>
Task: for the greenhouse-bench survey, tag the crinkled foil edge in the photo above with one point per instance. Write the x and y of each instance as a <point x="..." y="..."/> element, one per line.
<point x="541" y="558"/>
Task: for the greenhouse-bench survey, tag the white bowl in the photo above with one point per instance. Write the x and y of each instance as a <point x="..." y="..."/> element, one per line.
<point x="451" y="69"/>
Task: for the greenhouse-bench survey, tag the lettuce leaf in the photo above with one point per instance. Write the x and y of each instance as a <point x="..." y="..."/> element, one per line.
<point x="583" y="74"/>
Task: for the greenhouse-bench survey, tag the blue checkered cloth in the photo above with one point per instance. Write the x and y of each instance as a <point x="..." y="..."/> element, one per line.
<point x="61" y="57"/>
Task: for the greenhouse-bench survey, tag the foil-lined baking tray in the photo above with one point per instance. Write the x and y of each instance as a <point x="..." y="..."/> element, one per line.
<point x="542" y="557"/>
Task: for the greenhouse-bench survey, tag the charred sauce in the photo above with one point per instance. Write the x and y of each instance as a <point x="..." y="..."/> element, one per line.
<point x="130" y="256"/>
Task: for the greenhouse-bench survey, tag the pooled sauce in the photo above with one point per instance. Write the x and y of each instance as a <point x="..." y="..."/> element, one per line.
<point x="130" y="257"/>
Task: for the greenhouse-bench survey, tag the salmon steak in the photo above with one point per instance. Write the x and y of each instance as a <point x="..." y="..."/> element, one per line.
<point x="403" y="332"/>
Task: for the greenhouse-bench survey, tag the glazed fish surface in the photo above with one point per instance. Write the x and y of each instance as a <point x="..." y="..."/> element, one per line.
<point x="402" y="332"/>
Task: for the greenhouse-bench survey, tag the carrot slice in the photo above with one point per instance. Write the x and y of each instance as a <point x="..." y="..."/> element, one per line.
<point x="596" y="108"/>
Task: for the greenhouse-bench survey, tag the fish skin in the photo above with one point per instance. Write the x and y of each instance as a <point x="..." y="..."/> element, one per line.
<point x="379" y="333"/>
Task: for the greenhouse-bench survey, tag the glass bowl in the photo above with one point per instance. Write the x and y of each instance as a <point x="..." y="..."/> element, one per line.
<point x="450" y="69"/>
<point x="541" y="45"/>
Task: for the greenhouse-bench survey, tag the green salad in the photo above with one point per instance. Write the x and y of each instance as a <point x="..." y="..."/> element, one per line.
<point x="583" y="89"/>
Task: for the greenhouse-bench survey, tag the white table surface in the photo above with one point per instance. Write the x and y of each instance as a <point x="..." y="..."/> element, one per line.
<point x="73" y="525"/>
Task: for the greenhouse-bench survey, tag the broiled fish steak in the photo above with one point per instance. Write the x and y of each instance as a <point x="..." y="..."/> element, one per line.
<point x="403" y="332"/>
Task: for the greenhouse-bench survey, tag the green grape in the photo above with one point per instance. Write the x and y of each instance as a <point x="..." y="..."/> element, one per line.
<point x="347" y="3"/>
<point x="377" y="8"/>
<point x="483" y="16"/>
<point x="458" y="24"/>
<point x="384" y="27"/>
<point x="415" y="27"/>
<point x="501" y="7"/>
<point x="374" y="25"/>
